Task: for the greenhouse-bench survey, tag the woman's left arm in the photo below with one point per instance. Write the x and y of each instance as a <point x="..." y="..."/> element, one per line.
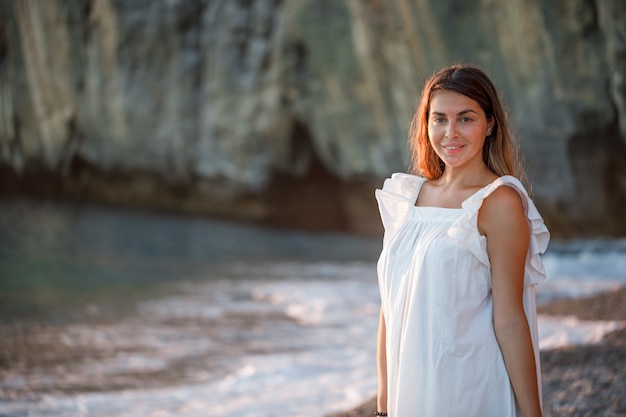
<point x="503" y="221"/>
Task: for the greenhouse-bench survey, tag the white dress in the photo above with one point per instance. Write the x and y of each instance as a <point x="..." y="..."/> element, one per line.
<point x="443" y="358"/>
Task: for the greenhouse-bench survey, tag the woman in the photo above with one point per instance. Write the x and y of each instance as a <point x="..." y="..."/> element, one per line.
<point x="460" y="260"/>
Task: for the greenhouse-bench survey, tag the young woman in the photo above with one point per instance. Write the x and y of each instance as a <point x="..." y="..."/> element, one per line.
<point x="460" y="261"/>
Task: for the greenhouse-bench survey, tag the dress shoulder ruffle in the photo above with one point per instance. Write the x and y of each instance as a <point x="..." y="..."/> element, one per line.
<point x="465" y="231"/>
<point x="395" y="199"/>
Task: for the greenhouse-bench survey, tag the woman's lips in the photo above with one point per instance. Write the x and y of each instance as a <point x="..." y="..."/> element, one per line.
<point x="452" y="148"/>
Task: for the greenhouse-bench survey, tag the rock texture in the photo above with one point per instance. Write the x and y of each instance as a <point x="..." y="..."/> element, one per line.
<point x="293" y="111"/>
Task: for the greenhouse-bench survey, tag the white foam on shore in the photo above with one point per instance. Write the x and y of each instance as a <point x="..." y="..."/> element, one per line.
<point x="561" y="331"/>
<point x="583" y="272"/>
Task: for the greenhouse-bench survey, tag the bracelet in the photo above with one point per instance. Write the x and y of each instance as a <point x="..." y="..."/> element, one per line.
<point x="380" y="413"/>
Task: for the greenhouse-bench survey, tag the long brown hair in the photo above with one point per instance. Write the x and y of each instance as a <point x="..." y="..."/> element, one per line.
<point x="500" y="152"/>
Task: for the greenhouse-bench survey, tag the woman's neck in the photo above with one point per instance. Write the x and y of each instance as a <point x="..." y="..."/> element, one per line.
<point x="465" y="177"/>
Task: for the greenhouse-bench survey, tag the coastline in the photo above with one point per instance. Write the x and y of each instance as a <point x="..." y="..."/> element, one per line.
<point x="583" y="380"/>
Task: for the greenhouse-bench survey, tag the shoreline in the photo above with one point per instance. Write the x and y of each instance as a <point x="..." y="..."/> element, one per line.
<point x="581" y="380"/>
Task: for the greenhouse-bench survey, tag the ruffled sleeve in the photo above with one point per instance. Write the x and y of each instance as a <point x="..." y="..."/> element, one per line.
<point x="466" y="230"/>
<point x="395" y="199"/>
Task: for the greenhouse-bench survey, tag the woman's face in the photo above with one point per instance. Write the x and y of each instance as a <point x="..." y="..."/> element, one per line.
<point x="457" y="127"/>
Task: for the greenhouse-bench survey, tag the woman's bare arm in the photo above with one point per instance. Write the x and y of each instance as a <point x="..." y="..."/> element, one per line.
<point x="381" y="358"/>
<point x="503" y="221"/>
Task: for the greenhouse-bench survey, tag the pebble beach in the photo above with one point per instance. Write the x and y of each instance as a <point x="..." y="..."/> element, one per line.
<point x="578" y="381"/>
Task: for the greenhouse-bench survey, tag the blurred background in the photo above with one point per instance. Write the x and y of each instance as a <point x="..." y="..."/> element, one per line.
<point x="290" y="112"/>
<point x="187" y="211"/>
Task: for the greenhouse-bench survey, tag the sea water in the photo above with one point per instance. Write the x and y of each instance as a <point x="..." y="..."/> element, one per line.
<point x="178" y="316"/>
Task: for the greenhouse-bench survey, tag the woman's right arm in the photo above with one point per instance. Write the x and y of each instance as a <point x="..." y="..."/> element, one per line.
<point x="381" y="359"/>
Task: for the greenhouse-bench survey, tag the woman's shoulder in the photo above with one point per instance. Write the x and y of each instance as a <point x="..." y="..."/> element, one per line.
<point x="501" y="211"/>
<point x="505" y="196"/>
<point x="502" y="197"/>
<point x="505" y="189"/>
<point x="504" y="193"/>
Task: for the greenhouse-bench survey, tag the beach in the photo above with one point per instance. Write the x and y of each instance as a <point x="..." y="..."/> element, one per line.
<point x="118" y="313"/>
<point x="170" y="356"/>
<point x="580" y="380"/>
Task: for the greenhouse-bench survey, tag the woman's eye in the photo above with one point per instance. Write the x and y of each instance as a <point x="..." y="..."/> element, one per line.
<point x="465" y="120"/>
<point x="438" y="120"/>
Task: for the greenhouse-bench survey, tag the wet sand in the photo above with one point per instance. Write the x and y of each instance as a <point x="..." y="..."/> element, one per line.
<point x="580" y="381"/>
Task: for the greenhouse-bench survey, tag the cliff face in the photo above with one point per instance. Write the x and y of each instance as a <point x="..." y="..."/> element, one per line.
<point x="292" y="111"/>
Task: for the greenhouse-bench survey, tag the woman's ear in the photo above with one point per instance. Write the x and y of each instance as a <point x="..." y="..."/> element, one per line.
<point x="491" y="122"/>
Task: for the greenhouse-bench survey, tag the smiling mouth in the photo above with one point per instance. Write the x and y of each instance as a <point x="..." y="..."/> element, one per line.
<point x="452" y="148"/>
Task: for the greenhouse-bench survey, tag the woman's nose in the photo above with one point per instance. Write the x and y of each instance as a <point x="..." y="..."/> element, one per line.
<point x="452" y="130"/>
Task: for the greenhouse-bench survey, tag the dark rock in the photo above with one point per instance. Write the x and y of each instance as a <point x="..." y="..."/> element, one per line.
<point x="233" y="103"/>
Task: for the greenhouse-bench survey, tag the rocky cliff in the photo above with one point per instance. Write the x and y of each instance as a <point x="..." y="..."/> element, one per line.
<point x="292" y="111"/>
